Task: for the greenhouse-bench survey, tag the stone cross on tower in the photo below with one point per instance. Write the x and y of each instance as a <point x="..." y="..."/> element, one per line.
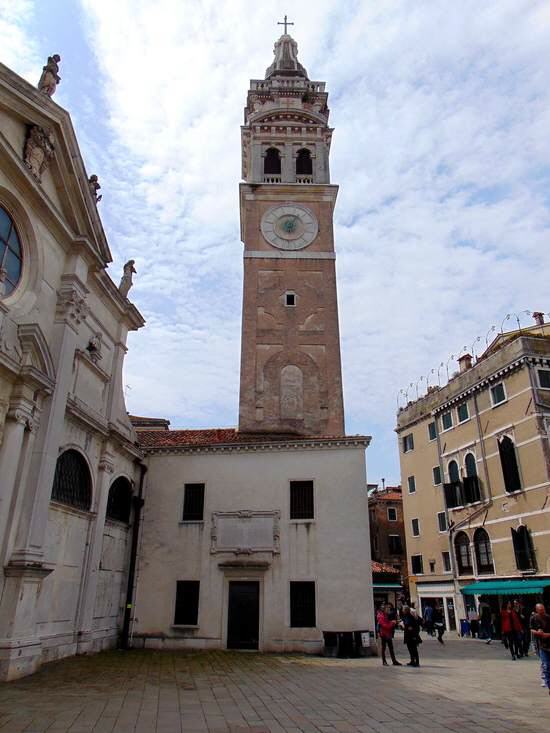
<point x="285" y="23"/>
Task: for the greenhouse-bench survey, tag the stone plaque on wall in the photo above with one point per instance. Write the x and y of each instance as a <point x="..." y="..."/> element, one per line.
<point x="245" y="532"/>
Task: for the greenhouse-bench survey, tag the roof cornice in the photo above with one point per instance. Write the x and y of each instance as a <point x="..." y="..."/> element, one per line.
<point x="354" y="441"/>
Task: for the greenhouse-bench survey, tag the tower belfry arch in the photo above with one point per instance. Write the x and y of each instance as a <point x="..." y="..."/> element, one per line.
<point x="290" y="364"/>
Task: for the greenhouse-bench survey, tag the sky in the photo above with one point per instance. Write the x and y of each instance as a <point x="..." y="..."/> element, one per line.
<point x="441" y="150"/>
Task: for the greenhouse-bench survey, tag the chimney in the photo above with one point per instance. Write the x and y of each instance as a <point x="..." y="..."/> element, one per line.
<point x="539" y="318"/>
<point x="465" y="363"/>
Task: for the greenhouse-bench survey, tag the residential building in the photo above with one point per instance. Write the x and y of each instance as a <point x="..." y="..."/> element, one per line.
<point x="477" y="451"/>
<point x="387" y="535"/>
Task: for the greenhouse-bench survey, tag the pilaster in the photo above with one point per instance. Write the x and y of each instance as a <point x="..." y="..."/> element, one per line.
<point x="91" y="572"/>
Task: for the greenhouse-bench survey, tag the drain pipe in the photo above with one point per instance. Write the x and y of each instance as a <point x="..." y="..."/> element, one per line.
<point x="138" y="504"/>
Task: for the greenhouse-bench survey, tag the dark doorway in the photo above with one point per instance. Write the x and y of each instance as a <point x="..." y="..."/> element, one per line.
<point x="243" y="618"/>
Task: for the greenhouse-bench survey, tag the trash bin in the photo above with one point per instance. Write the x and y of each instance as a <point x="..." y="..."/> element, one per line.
<point x="464" y="627"/>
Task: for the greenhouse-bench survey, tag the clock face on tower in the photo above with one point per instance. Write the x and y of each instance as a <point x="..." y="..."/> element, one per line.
<point x="289" y="227"/>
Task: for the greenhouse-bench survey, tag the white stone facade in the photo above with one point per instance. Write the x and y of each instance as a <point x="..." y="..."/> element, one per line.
<point x="63" y="335"/>
<point x="247" y="534"/>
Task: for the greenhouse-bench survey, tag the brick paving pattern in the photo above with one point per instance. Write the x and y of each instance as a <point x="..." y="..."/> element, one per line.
<point x="464" y="686"/>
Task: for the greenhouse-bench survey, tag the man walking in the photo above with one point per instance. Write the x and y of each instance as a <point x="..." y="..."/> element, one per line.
<point x="540" y="625"/>
<point x="428" y="619"/>
<point x="411" y="636"/>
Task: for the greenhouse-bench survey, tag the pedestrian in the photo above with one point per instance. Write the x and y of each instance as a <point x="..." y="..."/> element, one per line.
<point x="485" y="625"/>
<point x="510" y="627"/>
<point x="473" y="618"/>
<point x="411" y="636"/>
<point x="428" y="619"/>
<point x="540" y="625"/>
<point x="386" y="628"/>
<point x="439" y="622"/>
<point x="525" y="633"/>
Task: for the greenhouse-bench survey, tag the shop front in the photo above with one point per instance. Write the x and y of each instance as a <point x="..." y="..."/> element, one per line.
<point x="443" y="593"/>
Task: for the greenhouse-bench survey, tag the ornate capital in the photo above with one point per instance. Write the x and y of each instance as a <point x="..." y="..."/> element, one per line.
<point x="106" y="462"/>
<point x="71" y="306"/>
<point x="39" y="150"/>
<point x="17" y="415"/>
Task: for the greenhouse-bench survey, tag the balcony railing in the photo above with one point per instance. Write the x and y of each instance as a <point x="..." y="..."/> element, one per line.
<point x="462" y="493"/>
<point x="304" y="179"/>
<point x="272" y="178"/>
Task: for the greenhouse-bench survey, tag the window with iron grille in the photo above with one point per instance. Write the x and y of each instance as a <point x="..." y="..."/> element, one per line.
<point x="463" y="554"/>
<point x="301" y="499"/>
<point x="119" y="503"/>
<point x="72" y="484"/>
<point x="408" y="443"/>
<point x="193" y="503"/>
<point x="431" y="431"/>
<point x="417" y="566"/>
<point x="446" y="556"/>
<point x="523" y="548"/>
<point x="441" y="521"/>
<point x="509" y="464"/>
<point x="395" y="545"/>
<point x="187" y="603"/>
<point x="302" y="604"/>
<point x="484" y="555"/>
<point x="544" y="378"/>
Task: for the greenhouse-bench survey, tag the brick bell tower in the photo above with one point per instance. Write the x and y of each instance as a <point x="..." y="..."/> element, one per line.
<point x="291" y="379"/>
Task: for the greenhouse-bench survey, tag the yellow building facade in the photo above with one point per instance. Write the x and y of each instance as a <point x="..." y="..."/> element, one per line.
<point x="475" y="470"/>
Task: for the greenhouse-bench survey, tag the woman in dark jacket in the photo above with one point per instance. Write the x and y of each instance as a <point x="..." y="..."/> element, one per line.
<point x="439" y="622"/>
<point x="412" y="639"/>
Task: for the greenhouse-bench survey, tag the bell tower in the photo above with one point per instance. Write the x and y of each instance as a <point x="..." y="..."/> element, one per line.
<point x="291" y="378"/>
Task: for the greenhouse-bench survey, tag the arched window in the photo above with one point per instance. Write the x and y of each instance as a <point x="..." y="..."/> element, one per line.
<point x="119" y="502"/>
<point x="11" y="257"/>
<point x="72" y="484"/>
<point x="454" y="475"/>
<point x="470" y="465"/>
<point x="463" y="554"/>
<point x="484" y="555"/>
<point x="304" y="166"/>
<point x="472" y="491"/>
<point x="272" y="162"/>
<point x="509" y="464"/>
<point x="523" y="548"/>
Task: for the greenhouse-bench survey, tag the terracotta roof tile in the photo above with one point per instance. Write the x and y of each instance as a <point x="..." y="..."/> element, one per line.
<point x="220" y="436"/>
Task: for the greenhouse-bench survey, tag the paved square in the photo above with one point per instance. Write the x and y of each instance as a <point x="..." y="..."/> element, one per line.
<point x="464" y="686"/>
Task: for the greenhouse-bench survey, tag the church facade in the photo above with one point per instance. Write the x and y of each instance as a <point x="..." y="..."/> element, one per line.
<point x="254" y="537"/>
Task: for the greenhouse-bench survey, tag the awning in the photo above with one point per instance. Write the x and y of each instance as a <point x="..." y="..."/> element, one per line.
<point x="386" y="586"/>
<point x="507" y="587"/>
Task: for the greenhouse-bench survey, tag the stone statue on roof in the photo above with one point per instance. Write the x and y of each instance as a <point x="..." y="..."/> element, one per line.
<point x="50" y="76"/>
<point x="126" y="281"/>
<point x="93" y="183"/>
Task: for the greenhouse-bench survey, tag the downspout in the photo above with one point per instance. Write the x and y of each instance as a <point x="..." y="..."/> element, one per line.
<point x="138" y="504"/>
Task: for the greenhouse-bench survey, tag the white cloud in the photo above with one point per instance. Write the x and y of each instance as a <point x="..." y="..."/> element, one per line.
<point x="441" y="151"/>
<point x="18" y="49"/>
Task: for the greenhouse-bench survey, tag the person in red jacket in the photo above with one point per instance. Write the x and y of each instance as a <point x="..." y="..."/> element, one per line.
<point x="386" y="627"/>
<point x="510" y="627"/>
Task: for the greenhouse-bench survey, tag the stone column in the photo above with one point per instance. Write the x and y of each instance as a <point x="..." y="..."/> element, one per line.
<point x="91" y="571"/>
<point x="288" y="163"/>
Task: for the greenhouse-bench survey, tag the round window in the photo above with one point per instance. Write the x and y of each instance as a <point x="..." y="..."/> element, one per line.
<point x="10" y="254"/>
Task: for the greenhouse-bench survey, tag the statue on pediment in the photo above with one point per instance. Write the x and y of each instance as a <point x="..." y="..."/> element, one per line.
<point x="39" y="150"/>
<point x="94" y="186"/>
<point x="126" y="281"/>
<point x="50" y="76"/>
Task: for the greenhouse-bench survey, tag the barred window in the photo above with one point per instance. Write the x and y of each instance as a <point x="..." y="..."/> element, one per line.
<point x="301" y="500"/>
<point x="72" y="484"/>
<point x="193" y="503"/>
<point x="302" y="604"/>
<point x="187" y="603"/>
<point x="119" y="503"/>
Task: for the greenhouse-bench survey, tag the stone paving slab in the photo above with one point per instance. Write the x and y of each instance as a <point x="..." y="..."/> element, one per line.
<point x="463" y="686"/>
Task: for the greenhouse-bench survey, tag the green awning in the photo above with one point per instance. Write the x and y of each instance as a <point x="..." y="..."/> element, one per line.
<point x="507" y="587"/>
<point x="381" y="586"/>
